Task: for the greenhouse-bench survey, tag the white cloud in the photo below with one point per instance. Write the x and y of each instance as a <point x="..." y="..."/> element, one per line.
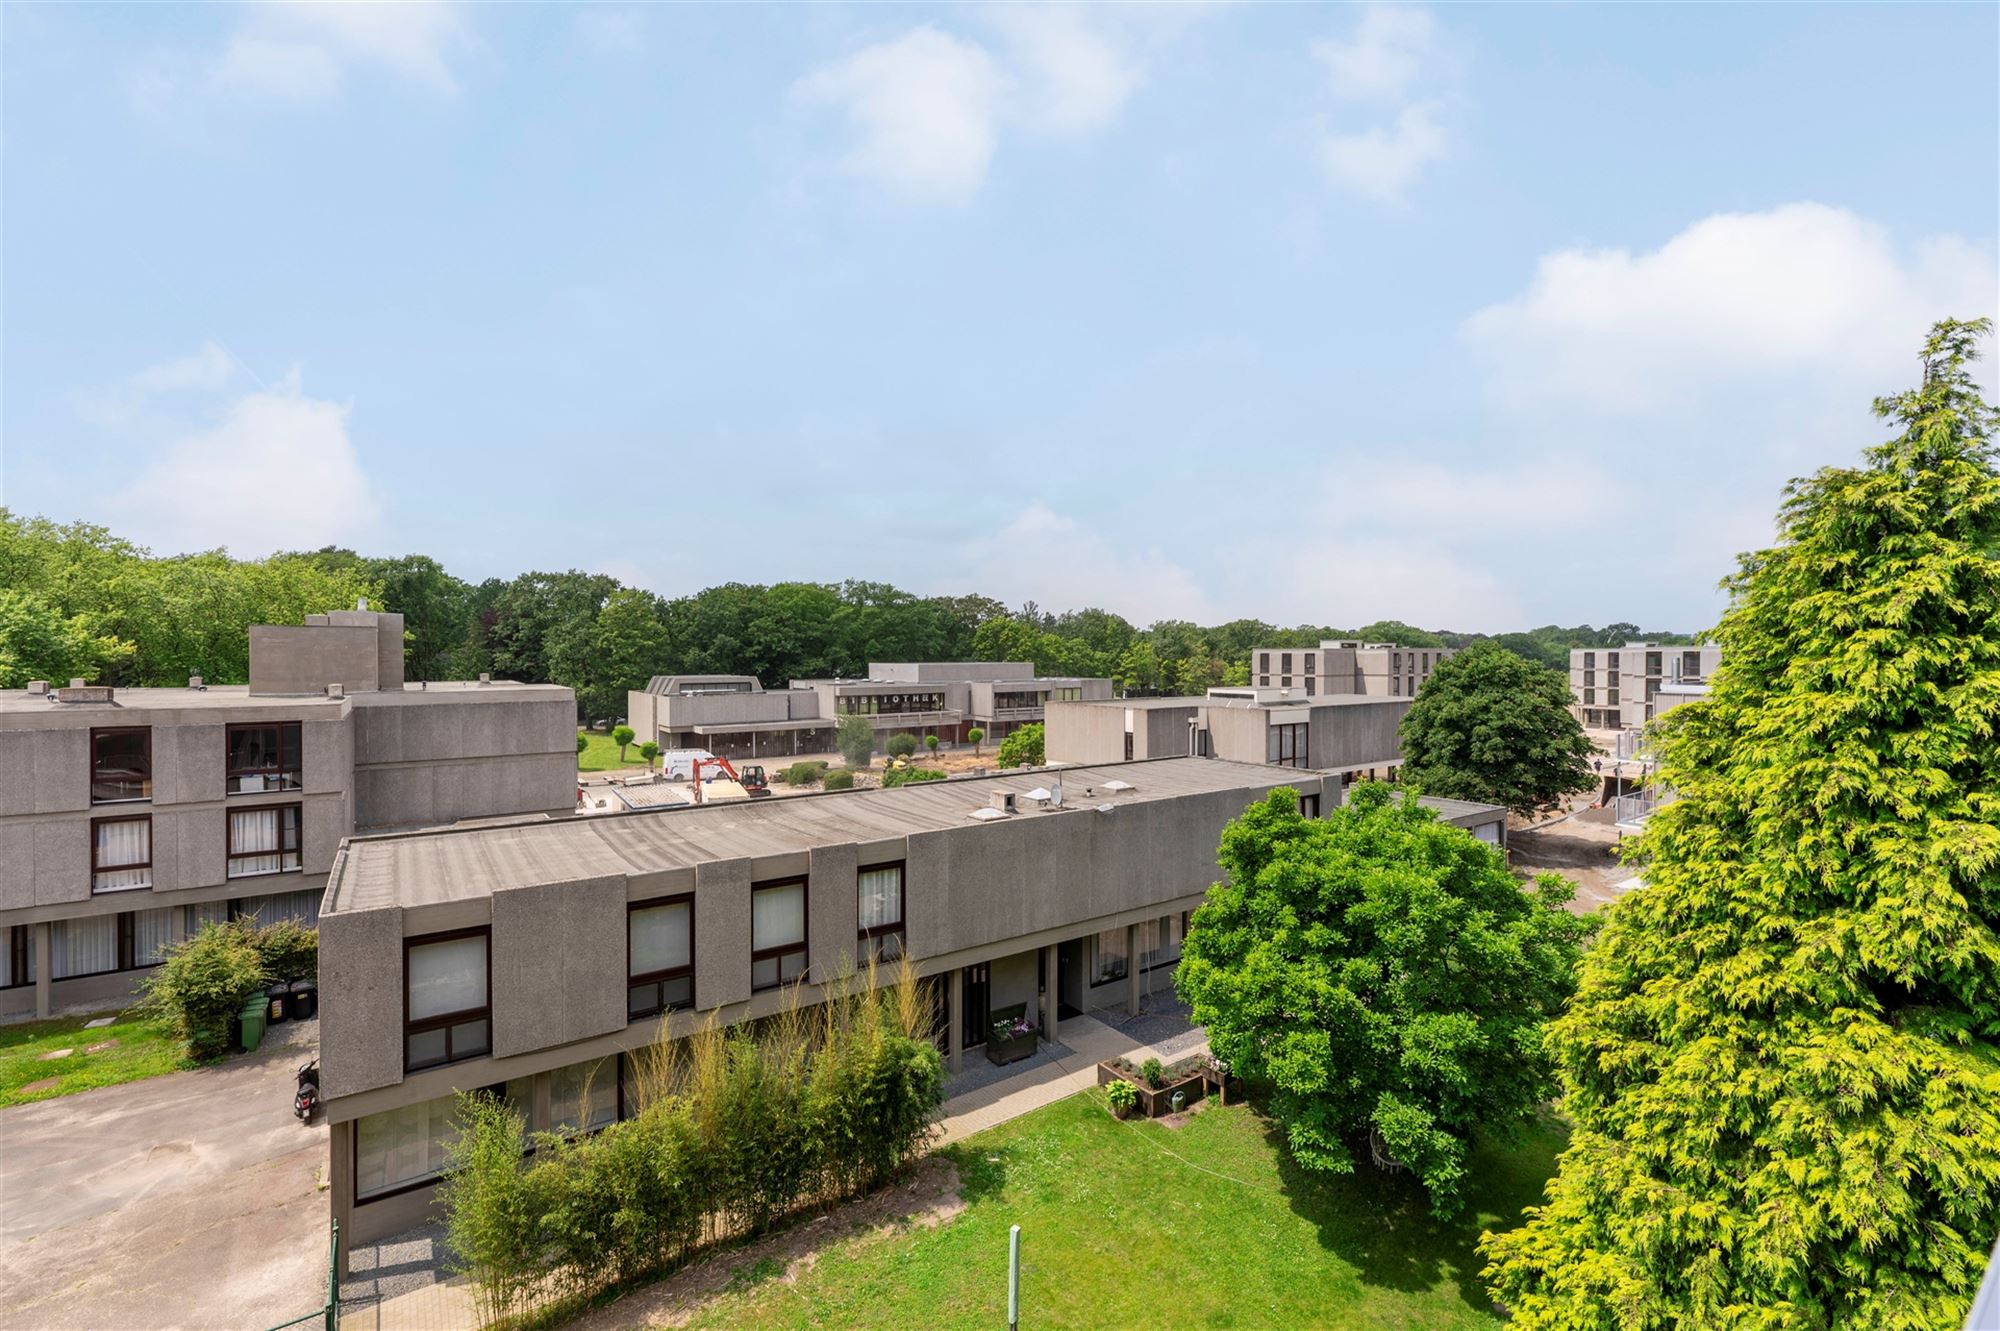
<point x="1390" y="48"/>
<point x="1383" y="161"/>
<point x="1074" y="77"/>
<point x="274" y="470"/>
<point x="924" y="108"/>
<point x="303" y="50"/>
<point x="1396" y="58"/>
<point x="609" y="30"/>
<point x="1046" y="557"/>
<point x="1801" y="291"/>
<point x="210" y="368"/>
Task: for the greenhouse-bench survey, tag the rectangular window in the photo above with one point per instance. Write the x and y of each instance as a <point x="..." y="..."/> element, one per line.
<point x="1284" y="663"/>
<point x="1309" y="686"/>
<point x="1309" y="806"/>
<point x="1690" y="665"/>
<point x="1590" y="660"/>
<point x="659" y="945"/>
<point x="147" y="935"/>
<point x="1395" y="662"/>
<point x="198" y="917"/>
<point x="1264" y="662"/>
<point x="400" y="1148"/>
<point x="17" y="956"/>
<point x="777" y="933"/>
<point x="263" y="841"/>
<point x="1285" y="746"/>
<point x="1312" y="662"/>
<point x="85" y="946"/>
<point x="1611" y="698"/>
<point x="583" y="1096"/>
<point x="1128" y="746"/>
<point x="1652" y="663"/>
<point x="1611" y="660"/>
<point x="263" y="758"/>
<point x="446" y="1005"/>
<point x="1396" y="685"/>
<point x="121" y="765"/>
<point x="1589" y="697"/>
<point x="1108" y="960"/>
<point x="1160" y="942"/>
<point x="301" y="907"/>
<point x="121" y="854"/>
<point x="881" y="891"/>
<point x="1589" y="677"/>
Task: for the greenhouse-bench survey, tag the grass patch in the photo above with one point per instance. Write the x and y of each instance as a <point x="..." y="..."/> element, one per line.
<point x="144" y="1049"/>
<point x="1117" y="1232"/>
<point x="601" y="755"/>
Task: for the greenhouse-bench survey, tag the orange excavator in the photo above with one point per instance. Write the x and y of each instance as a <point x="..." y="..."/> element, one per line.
<point x="751" y="780"/>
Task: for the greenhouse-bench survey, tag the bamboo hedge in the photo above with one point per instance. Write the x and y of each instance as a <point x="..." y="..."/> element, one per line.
<point x="735" y="1131"/>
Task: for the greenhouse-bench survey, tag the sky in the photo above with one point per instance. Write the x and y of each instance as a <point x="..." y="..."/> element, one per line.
<point x="1478" y="317"/>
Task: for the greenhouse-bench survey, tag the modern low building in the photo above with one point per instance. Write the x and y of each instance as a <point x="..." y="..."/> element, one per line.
<point x="1350" y="736"/>
<point x="531" y="957"/>
<point x="737" y="717"/>
<point x="129" y="817"/>
<point x="1618" y="687"/>
<point x="1347" y="666"/>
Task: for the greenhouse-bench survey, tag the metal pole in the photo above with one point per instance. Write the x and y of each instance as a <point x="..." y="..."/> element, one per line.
<point x="1014" y="1279"/>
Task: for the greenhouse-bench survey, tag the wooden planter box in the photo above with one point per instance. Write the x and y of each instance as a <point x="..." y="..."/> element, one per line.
<point x="1012" y="1049"/>
<point x="1157" y="1103"/>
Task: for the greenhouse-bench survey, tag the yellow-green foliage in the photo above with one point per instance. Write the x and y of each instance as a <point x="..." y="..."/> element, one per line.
<point x="1780" y="1064"/>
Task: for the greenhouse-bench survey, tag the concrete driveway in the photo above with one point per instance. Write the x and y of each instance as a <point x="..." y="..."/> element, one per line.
<point x="190" y="1200"/>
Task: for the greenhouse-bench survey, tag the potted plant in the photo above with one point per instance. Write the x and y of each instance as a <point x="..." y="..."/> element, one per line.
<point x="1124" y="1097"/>
<point x="1012" y="1036"/>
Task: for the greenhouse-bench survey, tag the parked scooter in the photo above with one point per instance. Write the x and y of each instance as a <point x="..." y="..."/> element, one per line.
<point x="306" y="1102"/>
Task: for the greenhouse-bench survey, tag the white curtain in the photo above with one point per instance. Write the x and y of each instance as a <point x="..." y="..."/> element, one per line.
<point x="1160" y="940"/>
<point x="1111" y="959"/>
<point x="881" y="896"/>
<point x="87" y="946"/>
<point x="778" y="916"/>
<point x="301" y="906"/>
<point x="127" y="842"/>
<point x="254" y="830"/>
<point x="447" y="977"/>
<point x="208" y="912"/>
<point x="7" y="976"/>
<point x="152" y="930"/>
<point x="661" y="938"/>
<point x="401" y="1146"/>
<point x="567" y="1095"/>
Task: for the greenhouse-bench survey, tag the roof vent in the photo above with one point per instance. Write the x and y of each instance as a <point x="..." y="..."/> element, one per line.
<point x="987" y="815"/>
<point x="37" y="688"/>
<point x="360" y="603"/>
<point x="485" y="677"/>
<point x="81" y="692"/>
<point x="76" y="683"/>
<point x="1003" y="802"/>
<point x="336" y="690"/>
<point x="194" y="682"/>
<point x="1116" y="786"/>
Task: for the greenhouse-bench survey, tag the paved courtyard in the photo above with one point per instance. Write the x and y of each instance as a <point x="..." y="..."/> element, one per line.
<point x="191" y="1200"/>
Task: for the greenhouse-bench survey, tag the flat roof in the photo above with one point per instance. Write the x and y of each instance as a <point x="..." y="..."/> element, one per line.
<point x="1210" y="700"/>
<point x="239" y="696"/>
<point x="454" y="864"/>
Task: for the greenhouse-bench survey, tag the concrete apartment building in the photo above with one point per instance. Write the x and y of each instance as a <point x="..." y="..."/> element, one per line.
<point x="530" y="957"/>
<point x="1620" y="687"/>
<point x="1345" y="735"/>
<point x="737" y="717"/>
<point x="129" y="817"/>
<point x="1347" y="666"/>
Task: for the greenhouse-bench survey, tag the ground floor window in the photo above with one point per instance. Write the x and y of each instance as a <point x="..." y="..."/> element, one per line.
<point x="401" y="1148"/>
<point x="777" y="933"/>
<point x="1108" y="960"/>
<point x="881" y="912"/>
<point x="87" y="946"/>
<point x="584" y="1095"/>
<point x="17" y="956"/>
<point x="1160" y="942"/>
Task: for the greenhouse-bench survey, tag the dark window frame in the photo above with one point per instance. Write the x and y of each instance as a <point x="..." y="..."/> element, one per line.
<point x="803" y="947"/>
<point x="230" y="854"/>
<point x="865" y="936"/>
<point x="1293" y="734"/>
<point x="659" y="978"/>
<point x="447" y="1020"/>
<point x="102" y="732"/>
<point x="1309" y="806"/>
<point x="278" y="767"/>
<point x="97" y="868"/>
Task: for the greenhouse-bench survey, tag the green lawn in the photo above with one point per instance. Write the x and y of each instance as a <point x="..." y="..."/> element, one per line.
<point x="1117" y="1232"/>
<point x="143" y="1049"/>
<point x="601" y="755"/>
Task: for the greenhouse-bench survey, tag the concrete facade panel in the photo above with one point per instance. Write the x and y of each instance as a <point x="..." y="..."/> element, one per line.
<point x="361" y="1001"/>
<point x="62" y="861"/>
<point x="45" y="771"/>
<point x="1162" y="732"/>
<point x="1075" y="733"/>
<point x="833" y="911"/>
<point x="17" y="865"/>
<point x="722" y="932"/>
<point x="304" y="659"/>
<point x="189" y="763"/>
<point x="325" y="754"/>
<point x="556" y="974"/>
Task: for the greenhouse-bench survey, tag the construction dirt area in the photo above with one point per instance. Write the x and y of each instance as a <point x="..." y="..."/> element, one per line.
<point x="638" y="788"/>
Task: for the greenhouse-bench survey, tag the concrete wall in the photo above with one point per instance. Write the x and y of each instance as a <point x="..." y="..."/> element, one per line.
<point x="722" y="932"/>
<point x="715" y="709"/>
<point x="305" y="658"/>
<point x="1351" y="735"/>
<point x="479" y="756"/>
<point x="1162" y="732"/>
<point x="833" y="911"/>
<point x="558" y="953"/>
<point x="1014" y="979"/>
<point x="1076" y="732"/>
<point x="361" y="1000"/>
<point x="1242" y="734"/>
<point x="946" y="672"/>
<point x="44" y="771"/>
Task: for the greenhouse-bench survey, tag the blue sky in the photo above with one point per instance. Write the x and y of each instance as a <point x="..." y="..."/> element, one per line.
<point x="1474" y="316"/>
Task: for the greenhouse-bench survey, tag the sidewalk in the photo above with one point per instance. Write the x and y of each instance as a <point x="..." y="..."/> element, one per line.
<point x="1086" y="1042"/>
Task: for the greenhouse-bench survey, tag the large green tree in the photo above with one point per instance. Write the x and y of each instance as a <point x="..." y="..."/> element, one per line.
<point x="1386" y="976"/>
<point x="1781" y="1062"/>
<point x="1495" y="727"/>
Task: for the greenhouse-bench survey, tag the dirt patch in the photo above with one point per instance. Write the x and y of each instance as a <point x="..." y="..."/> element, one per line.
<point x="1585" y="853"/>
<point x="927" y="1197"/>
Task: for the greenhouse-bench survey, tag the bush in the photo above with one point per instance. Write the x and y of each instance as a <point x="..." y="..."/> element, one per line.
<point x="931" y="743"/>
<point x="622" y="736"/>
<point x="909" y="776"/>
<point x="582" y="741"/>
<point x="854" y="737"/>
<point x="975" y="735"/>
<point x="1154" y="1074"/>
<point x="803" y="773"/>
<point x="1023" y="748"/>
<point x="650" y="751"/>
<point x="901" y="746"/>
<point x="289" y="951"/>
<point x="839" y="780"/>
<point x="1124" y="1096"/>
<point x="203" y="983"/>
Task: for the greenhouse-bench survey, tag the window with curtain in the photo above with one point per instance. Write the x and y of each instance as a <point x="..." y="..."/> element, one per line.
<point x="777" y="933"/>
<point x="1108" y="958"/>
<point x="447" y="1017"/>
<point x="121" y="765"/>
<point x="86" y="946"/>
<point x="881" y="890"/>
<point x="301" y="907"/>
<point x="207" y="912"/>
<point x="152" y="931"/>
<point x="1285" y="746"/>
<point x="1160" y="941"/>
<point x="263" y="841"/>
<point x="583" y="1095"/>
<point x="263" y="757"/>
<point x="660" y="956"/>
<point x="401" y="1147"/>
<point x="121" y="854"/>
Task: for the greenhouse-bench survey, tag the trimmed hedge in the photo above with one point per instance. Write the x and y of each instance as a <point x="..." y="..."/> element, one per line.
<point x="803" y="773"/>
<point x="910" y="776"/>
<point x="839" y="779"/>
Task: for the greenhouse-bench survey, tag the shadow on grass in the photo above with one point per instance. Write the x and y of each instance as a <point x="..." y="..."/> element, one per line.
<point x="1381" y="1223"/>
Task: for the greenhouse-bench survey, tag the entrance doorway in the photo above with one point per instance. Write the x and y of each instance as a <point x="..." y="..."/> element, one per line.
<point x="978" y="1014"/>
<point x="1069" y="978"/>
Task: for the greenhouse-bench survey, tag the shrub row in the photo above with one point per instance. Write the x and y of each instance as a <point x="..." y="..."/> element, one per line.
<point x="803" y="773"/>
<point x="840" y="779"/>
<point x="204" y="981"/>
<point x="908" y="776"/>
<point x="734" y="1131"/>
